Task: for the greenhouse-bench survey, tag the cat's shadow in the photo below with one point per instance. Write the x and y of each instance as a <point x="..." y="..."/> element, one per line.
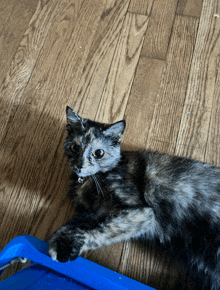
<point x="33" y="164"/>
<point x="32" y="154"/>
<point x="34" y="172"/>
<point x="32" y="149"/>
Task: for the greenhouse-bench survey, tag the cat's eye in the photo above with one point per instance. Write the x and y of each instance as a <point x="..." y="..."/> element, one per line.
<point x="73" y="148"/>
<point x="99" y="153"/>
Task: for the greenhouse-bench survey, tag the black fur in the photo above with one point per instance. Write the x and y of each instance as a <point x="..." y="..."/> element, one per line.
<point x="174" y="201"/>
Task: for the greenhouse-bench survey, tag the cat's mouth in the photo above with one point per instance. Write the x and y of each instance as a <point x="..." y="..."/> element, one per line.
<point x="81" y="174"/>
<point x="77" y="170"/>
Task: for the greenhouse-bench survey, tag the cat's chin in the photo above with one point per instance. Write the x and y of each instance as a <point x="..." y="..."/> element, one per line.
<point x="81" y="175"/>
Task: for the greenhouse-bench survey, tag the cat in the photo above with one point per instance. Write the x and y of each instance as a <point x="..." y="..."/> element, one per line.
<point x="118" y="195"/>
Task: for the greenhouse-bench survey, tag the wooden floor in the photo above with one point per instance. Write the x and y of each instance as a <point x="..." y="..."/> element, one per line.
<point x="155" y="63"/>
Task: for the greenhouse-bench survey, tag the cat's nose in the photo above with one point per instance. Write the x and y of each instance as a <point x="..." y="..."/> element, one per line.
<point x="80" y="165"/>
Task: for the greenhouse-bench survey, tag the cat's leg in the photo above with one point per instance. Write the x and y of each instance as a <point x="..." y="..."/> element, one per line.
<point x="208" y="265"/>
<point x="86" y="231"/>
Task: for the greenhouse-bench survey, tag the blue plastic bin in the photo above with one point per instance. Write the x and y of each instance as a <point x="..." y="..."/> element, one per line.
<point x="47" y="274"/>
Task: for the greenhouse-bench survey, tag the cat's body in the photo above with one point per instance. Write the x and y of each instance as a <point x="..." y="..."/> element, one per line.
<point x="119" y="195"/>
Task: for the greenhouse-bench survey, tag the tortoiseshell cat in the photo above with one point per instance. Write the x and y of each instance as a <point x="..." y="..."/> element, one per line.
<point x="119" y="195"/>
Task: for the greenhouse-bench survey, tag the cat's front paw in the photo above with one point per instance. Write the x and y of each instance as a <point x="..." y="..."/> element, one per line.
<point x="63" y="248"/>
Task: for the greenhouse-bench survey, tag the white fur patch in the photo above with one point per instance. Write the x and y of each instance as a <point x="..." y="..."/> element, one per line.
<point x="53" y="254"/>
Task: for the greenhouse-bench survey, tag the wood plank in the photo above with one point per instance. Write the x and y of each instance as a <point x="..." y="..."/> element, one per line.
<point x="193" y="130"/>
<point x="146" y="263"/>
<point x="170" y="147"/>
<point x="202" y="87"/>
<point x="190" y="8"/>
<point x="20" y="71"/>
<point x="106" y="256"/>
<point x="212" y="153"/>
<point x="96" y="68"/>
<point x="113" y="11"/>
<point x="121" y="74"/>
<point x="5" y="10"/>
<point x="212" y="150"/>
<point x="13" y="30"/>
<point x="159" y="29"/>
<point x="24" y="60"/>
<point x="138" y="259"/>
<point x="141" y="103"/>
<point x="171" y="97"/>
<point x="141" y="7"/>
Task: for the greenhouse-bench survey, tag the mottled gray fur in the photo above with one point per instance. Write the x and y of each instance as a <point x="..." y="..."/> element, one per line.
<point x="120" y="195"/>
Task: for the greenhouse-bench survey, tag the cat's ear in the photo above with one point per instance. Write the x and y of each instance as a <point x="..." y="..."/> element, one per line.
<point x="73" y="118"/>
<point x="116" y="130"/>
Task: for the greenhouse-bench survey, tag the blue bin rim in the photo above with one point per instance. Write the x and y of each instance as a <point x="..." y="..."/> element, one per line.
<point x="81" y="270"/>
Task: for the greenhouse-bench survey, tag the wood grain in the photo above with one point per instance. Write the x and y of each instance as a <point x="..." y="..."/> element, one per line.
<point x="141" y="103"/>
<point x="96" y="68"/>
<point x="144" y="262"/>
<point x="202" y="84"/>
<point x="11" y="34"/>
<point x="171" y="97"/>
<point x="121" y="73"/>
<point x="24" y="60"/>
<point x="212" y="152"/>
<point x="5" y="11"/>
<point x="190" y="7"/>
<point x="140" y="6"/>
<point x="159" y="30"/>
<point x="16" y="80"/>
<point x="106" y="256"/>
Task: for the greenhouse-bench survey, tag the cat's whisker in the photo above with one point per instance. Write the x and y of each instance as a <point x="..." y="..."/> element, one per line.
<point x="99" y="174"/>
<point x="98" y="185"/>
<point x="98" y="177"/>
<point x="95" y="182"/>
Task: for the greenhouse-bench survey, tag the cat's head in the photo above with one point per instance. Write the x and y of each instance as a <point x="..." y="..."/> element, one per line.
<point x="92" y="147"/>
